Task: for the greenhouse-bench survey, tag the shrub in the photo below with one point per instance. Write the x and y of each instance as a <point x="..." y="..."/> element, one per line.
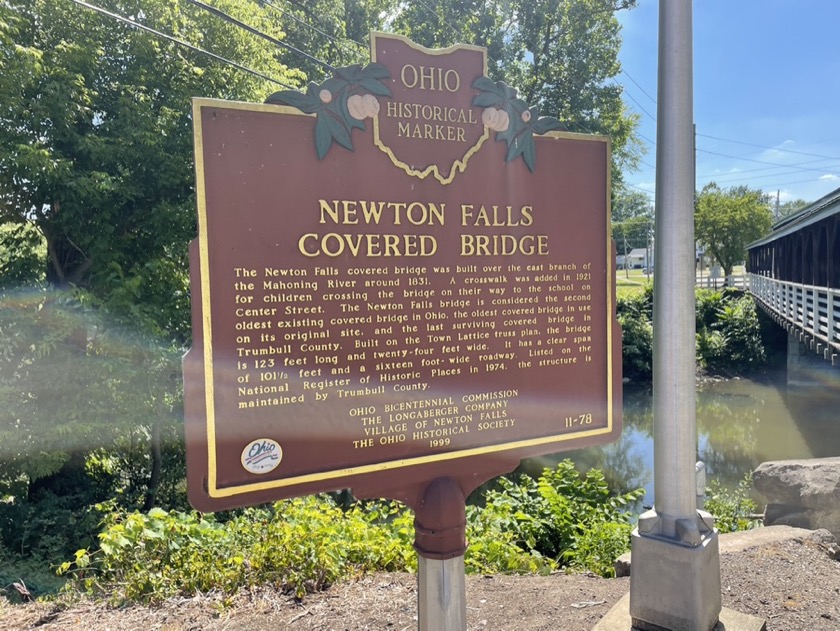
<point x="296" y="545"/>
<point x="597" y="548"/>
<point x="711" y="349"/>
<point x="634" y="315"/>
<point x="493" y="549"/>
<point x="306" y="544"/>
<point x="707" y="304"/>
<point x="562" y="516"/>
<point x="738" y="321"/>
<point x="728" y="333"/>
<point x="732" y="508"/>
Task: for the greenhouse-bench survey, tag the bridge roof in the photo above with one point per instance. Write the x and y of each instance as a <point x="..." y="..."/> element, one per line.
<point x="819" y="210"/>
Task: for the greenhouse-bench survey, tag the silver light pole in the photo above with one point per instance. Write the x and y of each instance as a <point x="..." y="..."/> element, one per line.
<point x="675" y="580"/>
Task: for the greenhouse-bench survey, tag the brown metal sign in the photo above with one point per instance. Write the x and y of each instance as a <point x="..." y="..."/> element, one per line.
<point x="358" y="324"/>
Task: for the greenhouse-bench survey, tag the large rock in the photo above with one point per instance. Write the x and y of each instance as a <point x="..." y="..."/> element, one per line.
<point x="801" y="493"/>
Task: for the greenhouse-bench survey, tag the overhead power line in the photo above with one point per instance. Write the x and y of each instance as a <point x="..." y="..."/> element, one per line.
<point x="274" y="7"/>
<point x="775" y="164"/>
<point x="794" y="164"/>
<point x="630" y="96"/>
<point x="180" y="42"/>
<point x="258" y="33"/>
<point x="639" y="188"/>
<point x="439" y="19"/>
<point x="752" y="144"/>
<point x="636" y="83"/>
<point x="737" y="177"/>
<point x="777" y="185"/>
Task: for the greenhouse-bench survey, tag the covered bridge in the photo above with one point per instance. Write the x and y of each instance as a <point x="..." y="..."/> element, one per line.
<point x="795" y="274"/>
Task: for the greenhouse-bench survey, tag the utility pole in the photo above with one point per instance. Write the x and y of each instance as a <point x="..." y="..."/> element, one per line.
<point x="675" y="581"/>
<point x="626" y="267"/>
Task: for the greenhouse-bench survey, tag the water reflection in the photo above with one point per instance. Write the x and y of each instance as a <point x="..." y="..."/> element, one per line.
<point x="741" y="423"/>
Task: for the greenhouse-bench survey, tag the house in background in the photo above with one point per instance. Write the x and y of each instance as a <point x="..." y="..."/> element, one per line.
<point x="637" y="258"/>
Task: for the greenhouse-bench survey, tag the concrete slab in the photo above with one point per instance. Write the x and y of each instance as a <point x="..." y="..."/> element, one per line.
<point x="735" y="542"/>
<point x="618" y="619"/>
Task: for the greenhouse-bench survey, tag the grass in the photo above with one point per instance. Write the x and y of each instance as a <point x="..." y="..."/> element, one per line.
<point x="633" y="281"/>
<point x="630" y="282"/>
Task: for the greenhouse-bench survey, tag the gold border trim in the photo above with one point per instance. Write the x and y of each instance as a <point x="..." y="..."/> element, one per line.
<point x="204" y="271"/>
<point x="213" y="490"/>
<point x="459" y="166"/>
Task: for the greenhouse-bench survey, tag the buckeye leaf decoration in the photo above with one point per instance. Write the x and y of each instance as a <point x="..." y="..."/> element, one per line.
<point x="512" y="120"/>
<point x="339" y="103"/>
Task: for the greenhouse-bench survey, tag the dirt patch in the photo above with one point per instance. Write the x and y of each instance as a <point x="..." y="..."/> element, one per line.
<point x="794" y="585"/>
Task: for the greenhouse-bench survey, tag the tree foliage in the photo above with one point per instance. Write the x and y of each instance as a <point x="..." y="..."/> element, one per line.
<point x="559" y="54"/>
<point x="95" y="142"/>
<point x="73" y="383"/>
<point x="95" y="135"/>
<point x="22" y="253"/>
<point x="726" y="221"/>
<point x="789" y="208"/>
<point x="96" y="199"/>
<point x="632" y="219"/>
<point x="333" y="32"/>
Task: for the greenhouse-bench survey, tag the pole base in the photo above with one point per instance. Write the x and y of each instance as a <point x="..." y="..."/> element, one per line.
<point x="618" y="619"/>
<point x="674" y="586"/>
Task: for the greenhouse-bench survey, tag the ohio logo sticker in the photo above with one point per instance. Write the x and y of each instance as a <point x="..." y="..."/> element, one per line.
<point x="261" y="455"/>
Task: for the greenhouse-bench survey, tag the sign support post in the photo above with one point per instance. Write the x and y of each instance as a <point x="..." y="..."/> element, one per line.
<point x="440" y="540"/>
<point x="675" y="581"/>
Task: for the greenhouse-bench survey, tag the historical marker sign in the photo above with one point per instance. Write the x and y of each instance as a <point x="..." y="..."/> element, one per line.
<point x="406" y="285"/>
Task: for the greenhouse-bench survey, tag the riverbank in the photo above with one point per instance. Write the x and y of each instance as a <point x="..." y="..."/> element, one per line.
<point x="787" y="576"/>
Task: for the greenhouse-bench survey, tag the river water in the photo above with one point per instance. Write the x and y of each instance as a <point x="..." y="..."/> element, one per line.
<point x="741" y="423"/>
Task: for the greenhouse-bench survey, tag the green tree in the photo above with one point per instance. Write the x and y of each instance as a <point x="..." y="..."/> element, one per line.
<point x="630" y="204"/>
<point x="96" y="179"/>
<point x="788" y="208"/>
<point x="726" y="221"/>
<point x="632" y="219"/>
<point x="559" y="54"/>
<point x="95" y="135"/>
<point x="22" y="255"/>
<point x="333" y="32"/>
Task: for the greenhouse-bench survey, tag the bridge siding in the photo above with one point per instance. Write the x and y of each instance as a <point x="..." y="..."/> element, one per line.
<point x="804" y="248"/>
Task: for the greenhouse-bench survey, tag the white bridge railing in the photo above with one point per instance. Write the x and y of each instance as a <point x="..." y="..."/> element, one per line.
<point x="739" y="281"/>
<point x="814" y="311"/>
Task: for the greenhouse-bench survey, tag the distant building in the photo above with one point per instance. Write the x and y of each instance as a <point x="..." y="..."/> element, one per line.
<point x="637" y="258"/>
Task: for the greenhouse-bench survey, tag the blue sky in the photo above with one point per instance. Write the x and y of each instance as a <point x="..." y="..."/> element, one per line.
<point x="766" y="93"/>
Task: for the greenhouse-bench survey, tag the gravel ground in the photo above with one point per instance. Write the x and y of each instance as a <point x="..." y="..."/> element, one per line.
<point x="794" y="584"/>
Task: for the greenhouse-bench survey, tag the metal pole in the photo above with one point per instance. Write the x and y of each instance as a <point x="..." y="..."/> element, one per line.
<point x="440" y="540"/>
<point x="441" y="594"/>
<point x="675" y="441"/>
<point x="675" y="582"/>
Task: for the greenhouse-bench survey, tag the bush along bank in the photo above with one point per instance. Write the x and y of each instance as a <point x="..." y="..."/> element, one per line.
<point x="730" y="339"/>
<point x="560" y="520"/>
